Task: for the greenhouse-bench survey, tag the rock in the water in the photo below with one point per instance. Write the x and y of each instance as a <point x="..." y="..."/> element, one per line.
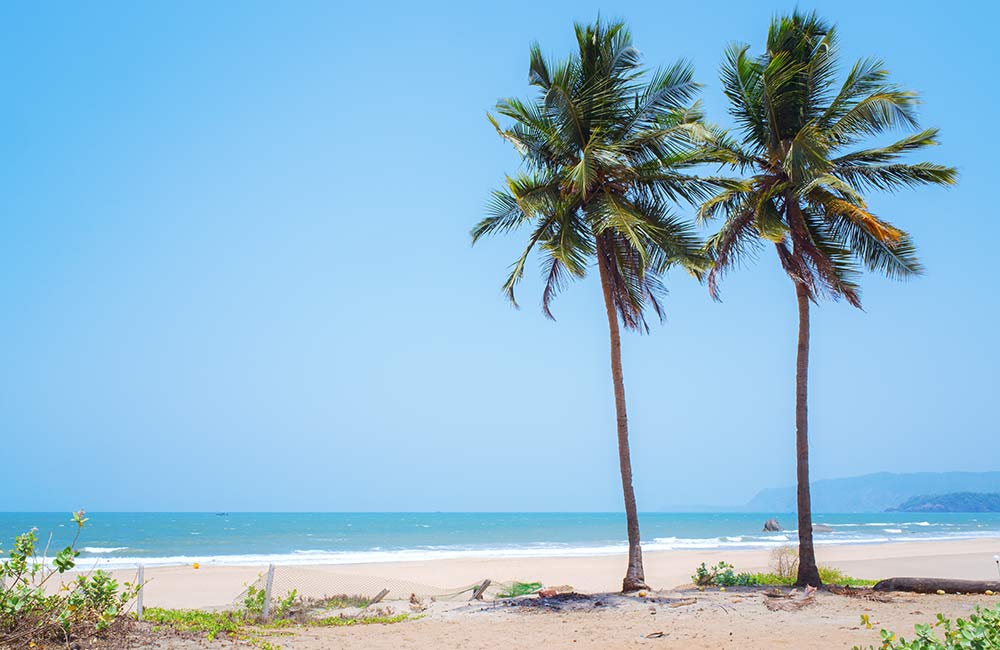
<point x="822" y="528"/>
<point x="772" y="526"/>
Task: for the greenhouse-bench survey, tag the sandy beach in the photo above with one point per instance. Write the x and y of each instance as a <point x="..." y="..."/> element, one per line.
<point x="674" y="616"/>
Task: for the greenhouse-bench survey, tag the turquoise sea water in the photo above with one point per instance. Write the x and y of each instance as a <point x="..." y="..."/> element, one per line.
<point x="127" y="539"/>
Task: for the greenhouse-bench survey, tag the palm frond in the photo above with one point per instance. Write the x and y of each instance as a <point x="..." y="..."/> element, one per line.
<point x="892" y="177"/>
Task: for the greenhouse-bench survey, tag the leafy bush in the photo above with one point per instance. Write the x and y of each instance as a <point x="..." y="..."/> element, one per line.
<point x="30" y="615"/>
<point x="721" y="575"/>
<point x="981" y="631"/>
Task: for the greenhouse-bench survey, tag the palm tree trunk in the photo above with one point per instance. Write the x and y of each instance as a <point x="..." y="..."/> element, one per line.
<point x="808" y="571"/>
<point x="634" y="576"/>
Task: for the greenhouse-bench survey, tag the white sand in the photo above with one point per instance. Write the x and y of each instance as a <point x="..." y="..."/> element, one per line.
<point x="217" y="586"/>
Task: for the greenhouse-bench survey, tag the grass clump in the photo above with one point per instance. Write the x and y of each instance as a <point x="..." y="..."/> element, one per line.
<point x="245" y="624"/>
<point x="338" y="621"/>
<point x="980" y="631"/>
<point x="341" y="601"/>
<point x="829" y="576"/>
<point x="520" y="589"/>
<point x="212" y="624"/>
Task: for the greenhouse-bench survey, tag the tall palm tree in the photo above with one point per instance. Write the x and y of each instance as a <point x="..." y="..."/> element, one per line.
<point x="604" y="149"/>
<point x="800" y="133"/>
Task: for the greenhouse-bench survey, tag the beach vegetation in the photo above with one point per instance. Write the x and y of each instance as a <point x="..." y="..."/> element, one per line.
<point x="980" y="631"/>
<point x="724" y="574"/>
<point x="341" y="601"/>
<point x="720" y="575"/>
<point x="211" y="624"/>
<point x="785" y="561"/>
<point x="828" y="575"/>
<point x="519" y="589"/>
<point x="253" y="602"/>
<point x="245" y="624"/>
<point x="36" y="605"/>
<point x="606" y="150"/>
<point x="802" y="146"/>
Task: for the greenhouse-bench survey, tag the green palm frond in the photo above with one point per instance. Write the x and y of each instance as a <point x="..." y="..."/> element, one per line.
<point x="889" y="153"/>
<point x="893" y="177"/>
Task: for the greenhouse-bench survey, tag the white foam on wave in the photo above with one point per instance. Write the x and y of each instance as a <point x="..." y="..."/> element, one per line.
<point x="104" y="557"/>
<point x="347" y="557"/>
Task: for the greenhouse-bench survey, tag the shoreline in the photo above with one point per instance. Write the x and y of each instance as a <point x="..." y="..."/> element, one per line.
<point x="217" y="586"/>
<point x="311" y="558"/>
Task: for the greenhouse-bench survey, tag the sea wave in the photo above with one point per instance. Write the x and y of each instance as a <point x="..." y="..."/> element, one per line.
<point x="324" y="551"/>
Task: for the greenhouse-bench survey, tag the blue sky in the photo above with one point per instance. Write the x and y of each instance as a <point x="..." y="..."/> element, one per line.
<point x="237" y="272"/>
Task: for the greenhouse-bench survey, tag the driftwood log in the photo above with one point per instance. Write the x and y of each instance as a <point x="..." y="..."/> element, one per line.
<point x="477" y="594"/>
<point x="933" y="585"/>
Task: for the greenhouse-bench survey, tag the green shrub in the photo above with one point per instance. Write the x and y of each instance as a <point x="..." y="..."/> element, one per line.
<point x="30" y="615"/>
<point x="981" y="631"/>
<point x="721" y="575"/>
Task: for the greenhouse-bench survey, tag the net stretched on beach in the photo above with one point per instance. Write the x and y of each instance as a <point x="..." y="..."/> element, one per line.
<point x="318" y="584"/>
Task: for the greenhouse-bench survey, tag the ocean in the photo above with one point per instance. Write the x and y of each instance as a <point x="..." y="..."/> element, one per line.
<point x="120" y="540"/>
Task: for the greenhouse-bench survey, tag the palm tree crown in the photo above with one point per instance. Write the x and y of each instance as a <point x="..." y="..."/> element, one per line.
<point x="604" y="152"/>
<point x="799" y="137"/>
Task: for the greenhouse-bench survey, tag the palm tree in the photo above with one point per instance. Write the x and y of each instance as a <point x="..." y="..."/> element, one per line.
<point x="604" y="152"/>
<point x="800" y="134"/>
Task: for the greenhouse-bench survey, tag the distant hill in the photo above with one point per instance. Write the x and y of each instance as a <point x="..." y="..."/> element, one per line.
<point x="955" y="502"/>
<point x="875" y="492"/>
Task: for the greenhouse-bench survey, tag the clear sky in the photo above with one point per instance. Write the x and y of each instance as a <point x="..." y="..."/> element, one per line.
<point x="237" y="272"/>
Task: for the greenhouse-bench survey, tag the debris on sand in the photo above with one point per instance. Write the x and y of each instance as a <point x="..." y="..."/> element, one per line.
<point x="559" y="602"/>
<point x="682" y="603"/>
<point x="791" y="604"/>
<point x="583" y="602"/>
<point x="862" y="593"/>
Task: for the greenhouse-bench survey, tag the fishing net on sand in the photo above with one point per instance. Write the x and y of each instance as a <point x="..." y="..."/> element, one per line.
<point x="317" y="584"/>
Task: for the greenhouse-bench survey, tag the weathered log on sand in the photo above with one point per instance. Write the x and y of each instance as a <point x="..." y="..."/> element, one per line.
<point x="933" y="585"/>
